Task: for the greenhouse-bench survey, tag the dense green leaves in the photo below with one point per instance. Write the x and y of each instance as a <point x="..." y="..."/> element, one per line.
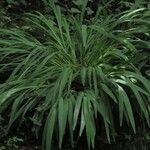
<point x="75" y="72"/>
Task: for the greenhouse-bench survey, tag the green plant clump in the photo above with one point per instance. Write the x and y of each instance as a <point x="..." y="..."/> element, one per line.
<point x="75" y="72"/>
<point x="11" y="143"/>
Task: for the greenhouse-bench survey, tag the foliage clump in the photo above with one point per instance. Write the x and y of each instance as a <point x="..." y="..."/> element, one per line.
<point x="69" y="71"/>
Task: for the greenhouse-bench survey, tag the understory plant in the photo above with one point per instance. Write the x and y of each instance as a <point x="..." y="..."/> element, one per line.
<point x="69" y="71"/>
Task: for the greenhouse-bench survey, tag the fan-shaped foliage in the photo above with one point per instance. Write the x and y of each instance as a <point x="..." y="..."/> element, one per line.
<point x="75" y="72"/>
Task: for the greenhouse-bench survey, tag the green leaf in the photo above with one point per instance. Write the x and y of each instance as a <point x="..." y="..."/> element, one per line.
<point x="95" y="82"/>
<point x="70" y="119"/>
<point x="75" y="10"/>
<point x="78" y="2"/>
<point x="82" y="122"/>
<point x="109" y="92"/>
<point x="83" y="75"/>
<point x="49" y="129"/>
<point x="124" y="98"/>
<point x="89" y="122"/>
<point x="84" y="34"/>
<point x="63" y="80"/>
<point x="107" y="130"/>
<point x="143" y="80"/>
<point x="62" y="118"/>
<point x="5" y="95"/>
<point x="77" y="109"/>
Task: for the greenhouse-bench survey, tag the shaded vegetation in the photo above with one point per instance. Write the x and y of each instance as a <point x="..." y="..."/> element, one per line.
<point x="75" y="72"/>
